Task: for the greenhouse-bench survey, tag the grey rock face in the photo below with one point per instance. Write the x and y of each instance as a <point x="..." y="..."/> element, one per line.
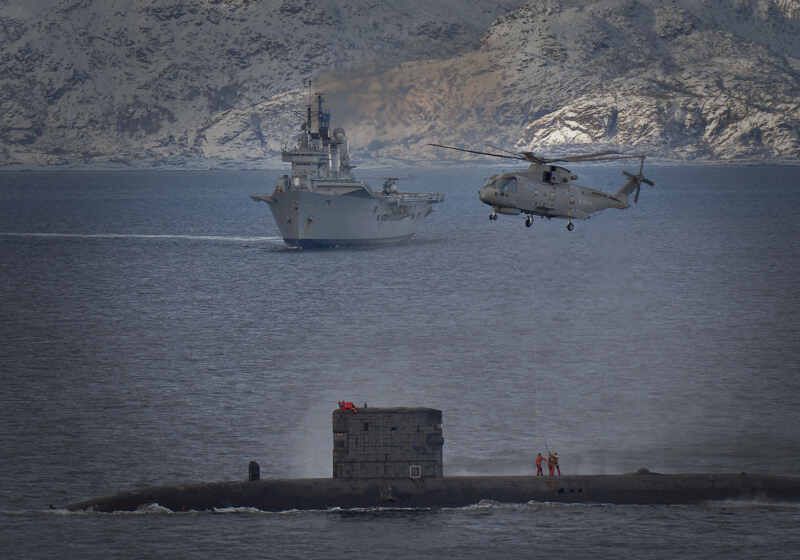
<point x="684" y="79"/>
<point x="158" y="80"/>
<point x="122" y="80"/>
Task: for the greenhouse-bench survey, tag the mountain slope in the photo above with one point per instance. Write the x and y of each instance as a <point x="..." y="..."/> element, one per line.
<point x="686" y="79"/>
<point x="182" y="81"/>
<point x="100" y="80"/>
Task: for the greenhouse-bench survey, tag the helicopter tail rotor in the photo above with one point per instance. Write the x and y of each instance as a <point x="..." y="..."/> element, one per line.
<point x="634" y="183"/>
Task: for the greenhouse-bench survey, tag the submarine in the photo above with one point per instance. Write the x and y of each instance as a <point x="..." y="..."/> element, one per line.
<point x="392" y="458"/>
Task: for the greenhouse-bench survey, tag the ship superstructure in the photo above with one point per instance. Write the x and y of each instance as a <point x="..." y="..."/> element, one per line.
<point x="321" y="204"/>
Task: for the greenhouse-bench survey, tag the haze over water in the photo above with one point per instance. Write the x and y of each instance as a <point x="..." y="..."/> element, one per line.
<point x="155" y="330"/>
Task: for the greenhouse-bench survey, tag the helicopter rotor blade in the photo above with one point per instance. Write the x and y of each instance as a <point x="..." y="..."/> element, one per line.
<point x="608" y="155"/>
<point x="476" y="152"/>
<point x="533" y="158"/>
<point x="509" y="152"/>
<point x="642" y="178"/>
<point x="585" y="157"/>
<point x="598" y="156"/>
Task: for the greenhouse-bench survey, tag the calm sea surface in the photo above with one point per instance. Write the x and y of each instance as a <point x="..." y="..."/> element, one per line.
<point x="154" y="330"/>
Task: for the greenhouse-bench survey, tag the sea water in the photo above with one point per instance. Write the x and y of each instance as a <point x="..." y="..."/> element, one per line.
<point x="154" y="330"/>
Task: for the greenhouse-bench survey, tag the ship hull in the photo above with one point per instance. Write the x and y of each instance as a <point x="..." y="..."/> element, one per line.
<point x="333" y="243"/>
<point x="309" y="219"/>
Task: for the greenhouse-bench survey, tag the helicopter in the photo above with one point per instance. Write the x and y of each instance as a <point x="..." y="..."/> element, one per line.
<point x="548" y="190"/>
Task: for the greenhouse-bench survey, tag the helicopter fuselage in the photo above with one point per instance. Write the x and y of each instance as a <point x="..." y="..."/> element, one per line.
<point x="548" y="191"/>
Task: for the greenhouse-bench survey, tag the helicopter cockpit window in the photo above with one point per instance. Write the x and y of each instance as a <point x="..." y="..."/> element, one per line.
<point x="509" y="184"/>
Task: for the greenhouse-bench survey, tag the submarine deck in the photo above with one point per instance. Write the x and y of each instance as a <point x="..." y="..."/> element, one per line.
<point x="458" y="491"/>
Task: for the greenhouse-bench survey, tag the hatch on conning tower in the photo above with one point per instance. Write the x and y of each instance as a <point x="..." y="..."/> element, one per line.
<point x="387" y="443"/>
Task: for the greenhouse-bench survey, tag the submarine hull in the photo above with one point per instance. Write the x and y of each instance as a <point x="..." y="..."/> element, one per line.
<point x="326" y="493"/>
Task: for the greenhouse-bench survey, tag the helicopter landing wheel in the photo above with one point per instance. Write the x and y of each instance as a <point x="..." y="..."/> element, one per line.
<point x="570" y="226"/>
<point x="528" y="221"/>
<point x="492" y="216"/>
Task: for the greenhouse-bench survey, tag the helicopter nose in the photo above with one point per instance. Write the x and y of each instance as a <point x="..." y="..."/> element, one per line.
<point x="483" y="194"/>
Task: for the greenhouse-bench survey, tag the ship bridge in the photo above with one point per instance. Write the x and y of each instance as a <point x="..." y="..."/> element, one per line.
<point x="319" y="154"/>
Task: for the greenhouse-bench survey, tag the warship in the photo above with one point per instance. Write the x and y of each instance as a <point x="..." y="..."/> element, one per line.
<point x="392" y="458"/>
<point x="321" y="204"/>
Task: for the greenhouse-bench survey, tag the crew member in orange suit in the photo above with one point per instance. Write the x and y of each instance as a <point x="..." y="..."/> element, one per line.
<point x="539" y="461"/>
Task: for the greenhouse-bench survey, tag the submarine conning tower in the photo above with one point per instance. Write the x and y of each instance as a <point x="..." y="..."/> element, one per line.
<point x="371" y="443"/>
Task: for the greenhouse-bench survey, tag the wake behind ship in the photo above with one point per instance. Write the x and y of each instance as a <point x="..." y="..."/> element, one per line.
<point x="322" y="205"/>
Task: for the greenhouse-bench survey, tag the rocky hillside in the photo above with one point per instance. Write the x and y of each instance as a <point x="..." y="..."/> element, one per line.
<point x="154" y="81"/>
<point x="710" y="79"/>
<point x="206" y="82"/>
